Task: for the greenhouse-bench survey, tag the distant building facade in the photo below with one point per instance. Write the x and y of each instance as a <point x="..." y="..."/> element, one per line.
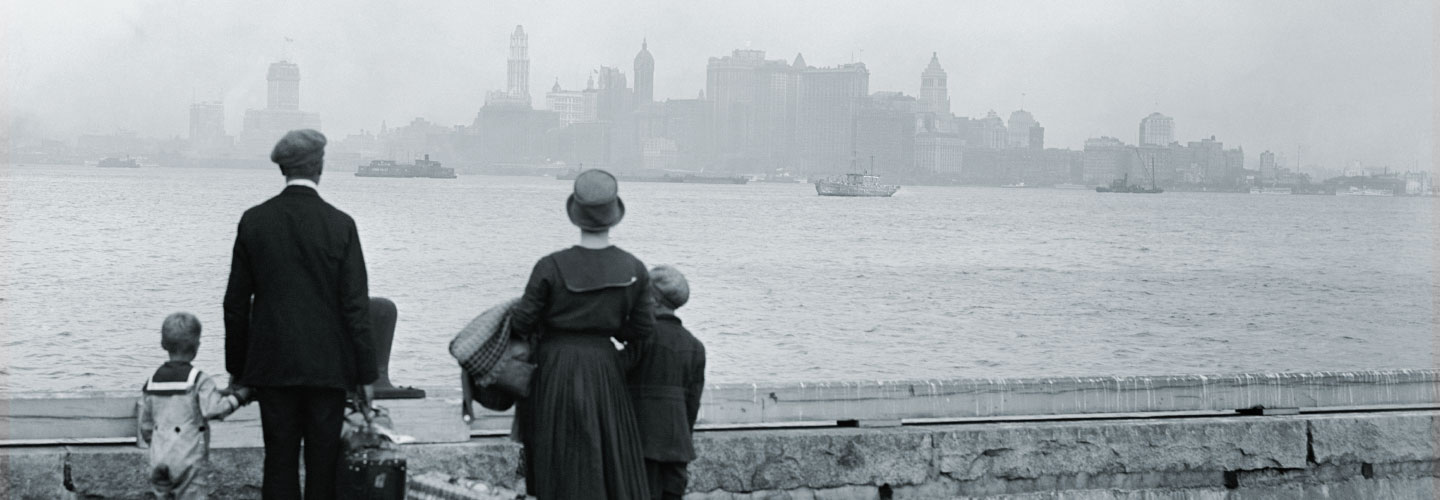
<point x="754" y="109"/>
<point x="262" y="127"/>
<point x="207" y="129"/>
<point x="1106" y="159"/>
<point x="830" y="99"/>
<point x="1023" y="132"/>
<point x="1157" y="130"/>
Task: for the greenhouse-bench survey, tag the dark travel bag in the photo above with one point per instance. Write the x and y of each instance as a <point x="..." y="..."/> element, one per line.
<point x="371" y="467"/>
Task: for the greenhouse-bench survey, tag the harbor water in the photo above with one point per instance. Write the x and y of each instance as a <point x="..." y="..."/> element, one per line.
<point x="935" y="282"/>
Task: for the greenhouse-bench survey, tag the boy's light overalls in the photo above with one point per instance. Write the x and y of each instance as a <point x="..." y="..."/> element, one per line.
<point x="173" y="413"/>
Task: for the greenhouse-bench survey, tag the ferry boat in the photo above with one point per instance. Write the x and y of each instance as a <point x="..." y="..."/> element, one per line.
<point x="856" y="184"/>
<point x="1354" y="191"/>
<point x="118" y="163"/>
<point x="421" y="168"/>
<point x="1015" y="185"/>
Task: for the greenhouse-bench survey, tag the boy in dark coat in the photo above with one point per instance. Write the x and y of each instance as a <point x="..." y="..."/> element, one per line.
<point x="666" y="377"/>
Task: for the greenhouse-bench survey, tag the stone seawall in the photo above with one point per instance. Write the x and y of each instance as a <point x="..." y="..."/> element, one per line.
<point x="1340" y="455"/>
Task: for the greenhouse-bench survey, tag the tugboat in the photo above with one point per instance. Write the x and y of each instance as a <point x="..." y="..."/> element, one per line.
<point x="856" y="184"/>
<point x="421" y="168"/>
<point x="1123" y="185"/>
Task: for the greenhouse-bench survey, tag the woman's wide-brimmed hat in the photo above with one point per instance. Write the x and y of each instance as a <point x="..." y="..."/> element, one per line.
<point x="595" y="205"/>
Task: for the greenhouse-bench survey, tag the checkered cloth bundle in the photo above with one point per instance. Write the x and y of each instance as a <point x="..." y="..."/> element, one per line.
<point x="479" y="346"/>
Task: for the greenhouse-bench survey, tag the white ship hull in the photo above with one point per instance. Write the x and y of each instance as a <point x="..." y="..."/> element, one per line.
<point x="826" y="188"/>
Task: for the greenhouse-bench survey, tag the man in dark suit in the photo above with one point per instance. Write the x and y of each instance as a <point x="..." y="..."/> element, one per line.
<point x="297" y="321"/>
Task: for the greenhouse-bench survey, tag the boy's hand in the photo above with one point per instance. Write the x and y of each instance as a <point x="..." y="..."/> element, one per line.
<point x="244" y="394"/>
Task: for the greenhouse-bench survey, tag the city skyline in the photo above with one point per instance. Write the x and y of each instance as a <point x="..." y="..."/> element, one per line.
<point x="1377" y="117"/>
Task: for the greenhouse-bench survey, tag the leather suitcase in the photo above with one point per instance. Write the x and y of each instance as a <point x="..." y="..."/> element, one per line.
<point x="372" y="474"/>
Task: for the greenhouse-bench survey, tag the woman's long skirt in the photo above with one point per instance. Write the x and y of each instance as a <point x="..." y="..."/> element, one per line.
<point x="578" y="424"/>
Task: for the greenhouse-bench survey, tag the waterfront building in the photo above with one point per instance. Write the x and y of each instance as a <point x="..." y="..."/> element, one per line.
<point x="687" y="123"/>
<point x="885" y="134"/>
<point x="262" y="127"/>
<point x="1105" y="159"/>
<point x="1157" y="130"/>
<point x="829" y="101"/>
<point x="644" y="75"/>
<point x="936" y="150"/>
<point x="207" y="129"/>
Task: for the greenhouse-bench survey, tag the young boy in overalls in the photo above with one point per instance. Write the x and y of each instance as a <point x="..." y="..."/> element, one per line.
<point x="177" y="402"/>
<point x="666" y="375"/>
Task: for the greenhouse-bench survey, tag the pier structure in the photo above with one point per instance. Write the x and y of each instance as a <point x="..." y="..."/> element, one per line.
<point x="1372" y="434"/>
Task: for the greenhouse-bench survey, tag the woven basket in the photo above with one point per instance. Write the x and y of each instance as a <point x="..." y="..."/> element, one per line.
<point x="479" y="346"/>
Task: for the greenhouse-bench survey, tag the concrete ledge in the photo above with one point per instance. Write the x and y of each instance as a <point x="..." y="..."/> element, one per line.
<point x="1363" y="455"/>
<point x="47" y="418"/>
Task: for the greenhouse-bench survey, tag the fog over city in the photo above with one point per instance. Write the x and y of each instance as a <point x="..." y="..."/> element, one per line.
<point x="1349" y="80"/>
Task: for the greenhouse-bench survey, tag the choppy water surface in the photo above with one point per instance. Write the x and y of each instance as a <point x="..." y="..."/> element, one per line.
<point x="786" y="286"/>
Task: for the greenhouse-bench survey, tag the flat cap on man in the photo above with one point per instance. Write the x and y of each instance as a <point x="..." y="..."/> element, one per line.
<point x="300" y="152"/>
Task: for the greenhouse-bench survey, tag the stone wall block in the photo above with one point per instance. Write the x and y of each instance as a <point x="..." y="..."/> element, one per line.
<point x="494" y="462"/>
<point x="27" y="475"/>
<point x="1032" y="450"/>
<point x="816" y="459"/>
<point x="108" y="472"/>
<point x="1375" y="438"/>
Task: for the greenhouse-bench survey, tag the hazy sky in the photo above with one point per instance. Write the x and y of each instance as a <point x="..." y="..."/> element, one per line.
<point x="1350" y="79"/>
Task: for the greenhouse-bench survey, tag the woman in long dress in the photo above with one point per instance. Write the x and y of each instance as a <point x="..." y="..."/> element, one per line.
<point x="578" y="425"/>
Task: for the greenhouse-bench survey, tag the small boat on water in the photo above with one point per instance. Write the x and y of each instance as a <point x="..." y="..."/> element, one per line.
<point x="1123" y="186"/>
<point x="1271" y="190"/>
<point x="855" y="184"/>
<point x="421" y="168"/>
<point x="1015" y="185"/>
<point x="1364" y="191"/>
<point x="118" y="163"/>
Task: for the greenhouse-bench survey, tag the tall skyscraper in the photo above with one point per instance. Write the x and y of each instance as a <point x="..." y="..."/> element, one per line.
<point x="829" y="101"/>
<point x="934" y="97"/>
<point x="284" y="89"/>
<point x="518" y="69"/>
<point x="1157" y="130"/>
<point x="262" y="127"/>
<point x="644" y="75"/>
<point x="754" y="105"/>
<point x="1267" y="166"/>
